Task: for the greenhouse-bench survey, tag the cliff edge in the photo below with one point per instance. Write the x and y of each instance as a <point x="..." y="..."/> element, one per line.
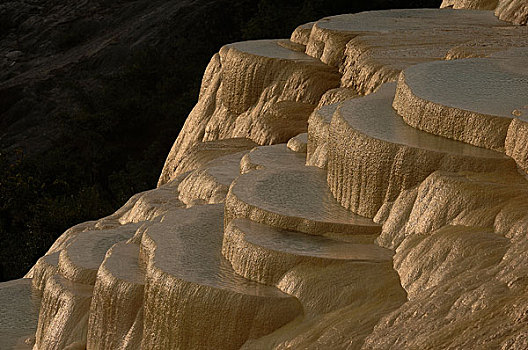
<point x="361" y="185"/>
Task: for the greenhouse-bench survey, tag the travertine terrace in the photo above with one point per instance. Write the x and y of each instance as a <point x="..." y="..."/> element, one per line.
<point x="361" y="185"/>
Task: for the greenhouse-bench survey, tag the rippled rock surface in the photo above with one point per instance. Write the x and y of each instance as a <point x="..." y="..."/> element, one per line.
<point x="361" y="185"/>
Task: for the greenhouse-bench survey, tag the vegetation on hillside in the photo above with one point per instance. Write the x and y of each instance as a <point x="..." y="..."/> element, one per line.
<point x="115" y="144"/>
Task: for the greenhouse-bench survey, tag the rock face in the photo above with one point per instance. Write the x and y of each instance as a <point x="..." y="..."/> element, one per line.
<point x="348" y="188"/>
<point x="514" y="11"/>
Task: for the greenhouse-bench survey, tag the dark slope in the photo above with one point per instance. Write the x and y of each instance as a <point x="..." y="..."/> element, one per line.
<point x="93" y="93"/>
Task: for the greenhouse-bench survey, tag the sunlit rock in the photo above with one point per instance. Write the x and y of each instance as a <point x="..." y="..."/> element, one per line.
<point x="275" y="157"/>
<point x="293" y="199"/>
<point x="210" y="183"/>
<point x="154" y="203"/>
<point x="63" y="315"/>
<point x="45" y="267"/>
<point x="514" y="11"/>
<point x="470" y="4"/>
<point x="301" y="34"/>
<point x="337" y="95"/>
<point x="318" y="128"/>
<point x="452" y="98"/>
<point x="456" y="299"/>
<point x="298" y="143"/>
<point x="280" y="89"/>
<point x="18" y="314"/>
<point x="264" y="254"/>
<point x="374" y="155"/>
<point x="200" y="154"/>
<point x="80" y="261"/>
<point x="255" y="245"/>
<point x="371" y="48"/>
<point x="190" y="285"/>
<point x="116" y="311"/>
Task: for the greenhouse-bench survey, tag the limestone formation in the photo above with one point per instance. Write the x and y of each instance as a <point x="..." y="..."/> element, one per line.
<point x="372" y="48"/>
<point x="451" y="98"/>
<point x="374" y="155"/>
<point x="301" y="34"/>
<point x="209" y="184"/>
<point x="18" y="315"/>
<point x="318" y="128"/>
<point x="116" y="311"/>
<point x="292" y="199"/>
<point x="361" y="185"/>
<point x="299" y="143"/>
<point x="514" y="11"/>
<point x="272" y="107"/>
<point x="187" y="278"/>
<point x="200" y="154"/>
<point x="276" y="157"/>
<point x="264" y="254"/>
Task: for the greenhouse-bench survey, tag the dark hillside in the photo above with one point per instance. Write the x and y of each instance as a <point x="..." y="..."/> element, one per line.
<point x="94" y="92"/>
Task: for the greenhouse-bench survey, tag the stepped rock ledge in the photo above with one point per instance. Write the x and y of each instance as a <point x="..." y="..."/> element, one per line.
<point x="360" y="185"/>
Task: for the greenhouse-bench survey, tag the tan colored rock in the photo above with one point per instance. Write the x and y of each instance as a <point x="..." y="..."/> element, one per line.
<point x="272" y="123"/>
<point x="143" y="206"/>
<point x="515" y="144"/>
<point x="272" y="108"/>
<point x="394" y="216"/>
<point x="116" y="311"/>
<point x="318" y="128"/>
<point x="344" y="301"/>
<point x="291" y="45"/>
<point x="154" y="203"/>
<point x="451" y="98"/>
<point x="372" y="60"/>
<point x="299" y="143"/>
<point x="479" y="199"/>
<point x="429" y="262"/>
<point x="493" y="201"/>
<point x="271" y="157"/>
<point x="514" y="11"/>
<point x="293" y="199"/>
<point x="63" y="315"/>
<point x="18" y="315"/>
<point x="374" y="155"/>
<point x="456" y="298"/>
<point x="502" y="40"/>
<point x="470" y="4"/>
<point x="265" y="254"/>
<point x="190" y="286"/>
<point x="283" y="264"/>
<point x="80" y="260"/>
<point x="202" y="153"/>
<point x="371" y="48"/>
<point x="45" y="267"/>
<point x="337" y="95"/>
<point x="193" y="130"/>
<point x="210" y="183"/>
<point x="301" y="34"/>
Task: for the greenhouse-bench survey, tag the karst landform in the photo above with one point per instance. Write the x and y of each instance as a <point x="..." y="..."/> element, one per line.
<point x="361" y="185"/>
